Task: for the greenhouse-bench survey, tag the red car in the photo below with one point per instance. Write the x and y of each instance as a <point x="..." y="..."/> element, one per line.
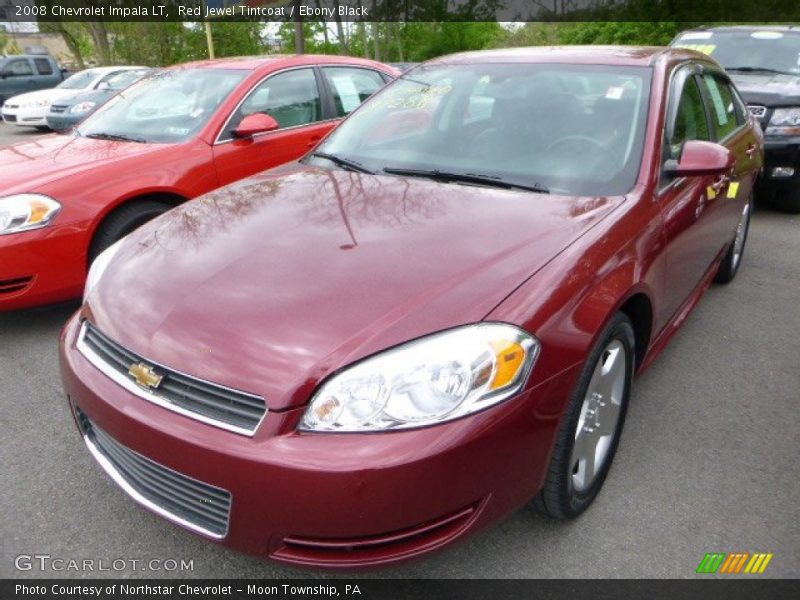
<point x="174" y="136"/>
<point x="364" y="356"/>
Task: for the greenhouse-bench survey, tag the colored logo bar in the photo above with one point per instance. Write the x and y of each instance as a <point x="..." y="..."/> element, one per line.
<point x="734" y="562"/>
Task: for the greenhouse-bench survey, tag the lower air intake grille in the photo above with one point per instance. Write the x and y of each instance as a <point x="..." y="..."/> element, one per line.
<point x="192" y="503"/>
<point x="202" y="400"/>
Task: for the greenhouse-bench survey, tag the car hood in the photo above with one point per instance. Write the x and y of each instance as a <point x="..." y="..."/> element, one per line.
<point x="29" y="166"/>
<point x="269" y="285"/>
<point x="768" y="89"/>
<point x="51" y="95"/>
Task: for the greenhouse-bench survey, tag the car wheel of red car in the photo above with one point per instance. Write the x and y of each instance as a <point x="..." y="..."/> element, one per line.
<point x="733" y="259"/>
<point x="124" y="220"/>
<point x="588" y="438"/>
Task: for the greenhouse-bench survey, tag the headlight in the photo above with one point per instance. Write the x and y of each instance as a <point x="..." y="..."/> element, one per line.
<point x="83" y="107"/>
<point x="784" y="121"/>
<point x="23" y="212"/>
<point x="431" y="380"/>
<point x="99" y="267"/>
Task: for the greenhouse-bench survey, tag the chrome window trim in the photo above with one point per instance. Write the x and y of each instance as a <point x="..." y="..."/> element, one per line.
<point x="219" y="142"/>
<point x="120" y="480"/>
<point x="136" y="390"/>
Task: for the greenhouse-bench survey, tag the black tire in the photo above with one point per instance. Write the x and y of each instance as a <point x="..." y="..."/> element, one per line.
<point x="124" y="220"/>
<point x="558" y="498"/>
<point x="729" y="266"/>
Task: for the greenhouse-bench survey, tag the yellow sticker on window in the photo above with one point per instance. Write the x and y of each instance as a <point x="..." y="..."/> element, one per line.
<point x="733" y="189"/>
<point x="704" y="48"/>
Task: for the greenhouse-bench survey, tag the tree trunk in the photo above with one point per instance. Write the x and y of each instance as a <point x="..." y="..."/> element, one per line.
<point x="299" y="33"/>
<point x="99" y="34"/>
<point x="375" y="39"/>
<point x="344" y="46"/>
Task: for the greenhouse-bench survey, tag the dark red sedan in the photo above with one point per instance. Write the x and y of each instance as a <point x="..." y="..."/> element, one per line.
<point x="431" y="320"/>
<point x="174" y="136"/>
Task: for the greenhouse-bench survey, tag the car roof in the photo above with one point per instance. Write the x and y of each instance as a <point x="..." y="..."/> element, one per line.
<point x="590" y="55"/>
<point x="252" y="63"/>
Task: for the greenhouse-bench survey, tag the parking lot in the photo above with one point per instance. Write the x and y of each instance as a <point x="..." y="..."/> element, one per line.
<point x="708" y="460"/>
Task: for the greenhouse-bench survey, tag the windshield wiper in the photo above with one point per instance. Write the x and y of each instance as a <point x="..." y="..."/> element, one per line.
<point x="345" y="163"/>
<point x="116" y="137"/>
<point x="758" y="69"/>
<point x="476" y="178"/>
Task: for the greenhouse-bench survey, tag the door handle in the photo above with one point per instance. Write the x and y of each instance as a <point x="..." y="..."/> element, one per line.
<point x="751" y="150"/>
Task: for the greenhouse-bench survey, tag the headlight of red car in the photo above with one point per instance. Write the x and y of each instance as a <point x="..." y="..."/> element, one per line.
<point x="23" y="212"/>
<point x="431" y="380"/>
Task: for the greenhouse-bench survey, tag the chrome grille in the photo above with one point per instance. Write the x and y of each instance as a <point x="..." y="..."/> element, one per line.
<point x="757" y="111"/>
<point x="199" y="506"/>
<point x="207" y="402"/>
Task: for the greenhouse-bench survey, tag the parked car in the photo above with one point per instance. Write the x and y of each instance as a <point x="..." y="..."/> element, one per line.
<point x="364" y="356"/>
<point x="30" y="109"/>
<point x="66" y="113"/>
<point x="764" y="63"/>
<point x="23" y="73"/>
<point x="169" y="138"/>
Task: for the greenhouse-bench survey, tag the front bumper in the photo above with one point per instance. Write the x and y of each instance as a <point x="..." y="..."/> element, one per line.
<point x="780" y="157"/>
<point x="25" y="117"/>
<point x="63" y="121"/>
<point x="41" y="266"/>
<point x="337" y="500"/>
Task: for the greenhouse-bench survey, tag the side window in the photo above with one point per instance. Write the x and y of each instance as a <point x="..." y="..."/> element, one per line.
<point x="722" y="105"/>
<point x="690" y="119"/>
<point x="739" y="105"/>
<point x="19" y="68"/>
<point x="43" y="66"/>
<point x="291" y="98"/>
<point x="351" y="86"/>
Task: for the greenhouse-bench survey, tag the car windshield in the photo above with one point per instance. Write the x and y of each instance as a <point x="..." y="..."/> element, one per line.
<point x="79" y="80"/>
<point x="168" y="107"/>
<point x="121" y="80"/>
<point x="747" y="49"/>
<point x="569" y="129"/>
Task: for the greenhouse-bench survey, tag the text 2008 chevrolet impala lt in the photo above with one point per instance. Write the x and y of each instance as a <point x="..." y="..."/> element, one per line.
<point x="428" y="322"/>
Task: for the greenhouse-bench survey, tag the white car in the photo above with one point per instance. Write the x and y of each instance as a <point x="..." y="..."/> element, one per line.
<point x="30" y="109"/>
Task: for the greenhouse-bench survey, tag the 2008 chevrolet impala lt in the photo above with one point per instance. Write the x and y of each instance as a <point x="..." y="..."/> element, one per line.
<point x="431" y="320"/>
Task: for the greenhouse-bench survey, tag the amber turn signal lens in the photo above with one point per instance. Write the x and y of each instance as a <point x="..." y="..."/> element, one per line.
<point x="509" y="359"/>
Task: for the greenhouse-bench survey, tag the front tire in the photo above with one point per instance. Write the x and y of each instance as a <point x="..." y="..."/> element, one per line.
<point x="589" y="436"/>
<point x="123" y="221"/>
<point x="733" y="258"/>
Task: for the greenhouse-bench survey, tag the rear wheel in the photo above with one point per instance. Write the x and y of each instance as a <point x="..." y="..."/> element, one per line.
<point x="588" y="439"/>
<point x="123" y="221"/>
<point x="733" y="259"/>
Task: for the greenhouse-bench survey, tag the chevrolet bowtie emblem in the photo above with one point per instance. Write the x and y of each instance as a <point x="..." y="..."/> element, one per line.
<point x="145" y="376"/>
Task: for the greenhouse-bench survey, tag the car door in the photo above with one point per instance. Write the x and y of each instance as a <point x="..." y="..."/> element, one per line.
<point x="19" y="77"/>
<point x="293" y="98"/>
<point x="47" y="75"/>
<point x="731" y="127"/>
<point x="690" y="213"/>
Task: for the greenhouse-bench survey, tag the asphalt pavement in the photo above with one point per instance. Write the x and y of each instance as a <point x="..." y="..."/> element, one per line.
<point x="709" y="460"/>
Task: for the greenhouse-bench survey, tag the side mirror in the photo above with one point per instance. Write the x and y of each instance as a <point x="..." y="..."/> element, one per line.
<point x="701" y="158"/>
<point x="255" y="124"/>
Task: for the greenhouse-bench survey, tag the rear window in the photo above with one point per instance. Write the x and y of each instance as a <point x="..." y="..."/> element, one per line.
<point x="43" y="66"/>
